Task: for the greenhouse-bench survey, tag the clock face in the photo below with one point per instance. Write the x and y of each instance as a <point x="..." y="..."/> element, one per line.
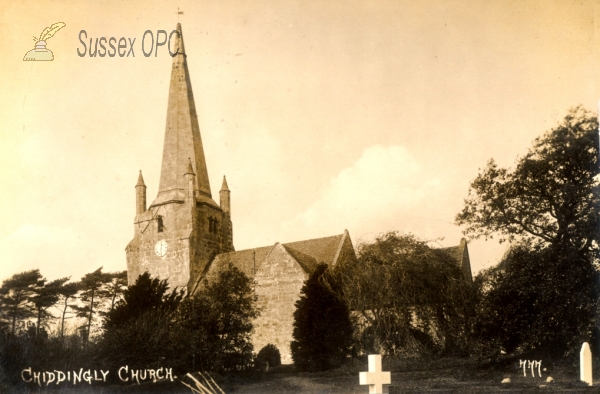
<point x="161" y="248"/>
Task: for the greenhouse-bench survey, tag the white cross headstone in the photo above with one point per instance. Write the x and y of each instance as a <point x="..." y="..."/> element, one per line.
<point x="585" y="362"/>
<point x="375" y="378"/>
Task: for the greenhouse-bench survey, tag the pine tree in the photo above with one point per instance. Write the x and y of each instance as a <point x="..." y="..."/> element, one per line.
<point x="67" y="292"/>
<point x="45" y="297"/>
<point x="322" y="328"/>
<point x="15" y="296"/>
<point x="91" y="296"/>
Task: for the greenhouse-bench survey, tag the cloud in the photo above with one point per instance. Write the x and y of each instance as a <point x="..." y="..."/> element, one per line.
<point x="385" y="183"/>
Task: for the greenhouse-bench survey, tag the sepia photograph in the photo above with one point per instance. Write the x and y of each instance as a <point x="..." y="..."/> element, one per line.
<point x="286" y="196"/>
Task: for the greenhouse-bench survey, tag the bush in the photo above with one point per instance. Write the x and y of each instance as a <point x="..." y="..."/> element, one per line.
<point x="268" y="356"/>
<point x="24" y="350"/>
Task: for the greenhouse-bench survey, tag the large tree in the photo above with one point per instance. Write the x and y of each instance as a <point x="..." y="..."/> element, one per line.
<point x="213" y="326"/>
<point x="536" y="300"/>
<point x="322" y="327"/>
<point x="544" y="294"/>
<point x="406" y="296"/>
<point x="137" y="331"/>
<point x="550" y="197"/>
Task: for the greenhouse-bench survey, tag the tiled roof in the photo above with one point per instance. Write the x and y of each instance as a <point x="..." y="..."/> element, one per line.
<point x="247" y="260"/>
<point x="323" y="250"/>
<point x="308" y="263"/>
<point x="460" y="254"/>
<point x="307" y="253"/>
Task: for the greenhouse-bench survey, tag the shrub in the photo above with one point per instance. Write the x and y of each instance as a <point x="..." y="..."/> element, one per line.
<point x="268" y="356"/>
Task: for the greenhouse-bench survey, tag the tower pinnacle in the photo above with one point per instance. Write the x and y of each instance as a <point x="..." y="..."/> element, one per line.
<point x="140" y="181"/>
<point x="225" y="197"/>
<point x="140" y="195"/>
<point x="224" y="186"/>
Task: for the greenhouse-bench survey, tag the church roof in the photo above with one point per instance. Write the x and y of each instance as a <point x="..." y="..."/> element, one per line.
<point x="461" y="255"/>
<point x="308" y="263"/>
<point x="182" y="143"/>
<point x="247" y="261"/>
<point x="307" y="253"/>
<point x="323" y="250"/>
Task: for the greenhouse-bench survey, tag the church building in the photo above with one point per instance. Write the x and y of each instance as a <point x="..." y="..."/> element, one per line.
<point x="185" y="235"/>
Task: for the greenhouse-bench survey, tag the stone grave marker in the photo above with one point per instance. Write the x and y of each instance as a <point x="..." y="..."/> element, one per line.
<point x="585" y="362"/>
<point x="375" y="378"/>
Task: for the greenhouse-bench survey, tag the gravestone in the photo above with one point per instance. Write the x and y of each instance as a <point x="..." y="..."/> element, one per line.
<point x="375" y="378"/>
<point x="585" y="362"/>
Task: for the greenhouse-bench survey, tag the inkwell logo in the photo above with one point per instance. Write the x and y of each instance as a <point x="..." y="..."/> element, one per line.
<point x="40" y="52"/>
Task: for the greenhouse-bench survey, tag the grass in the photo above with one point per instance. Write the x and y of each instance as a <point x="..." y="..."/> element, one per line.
<point x="442" y="375"/>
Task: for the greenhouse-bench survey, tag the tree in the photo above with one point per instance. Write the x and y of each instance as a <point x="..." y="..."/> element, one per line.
<point x="137" y="331"/>
<point x="406" y="296"/>
<point x="536" y="300"/>
<point x="115" y="287"/>
<point x="45" y="296"/>
<point x="213" y="326"/>
<point x="544" y="294"/>
<point x="550" y="198"/>
<point x="16" y="294"/>
<point x="67" y="292"/>
<point x="91" y="291"/>
<point x="322" y="328"/>
<point x="145" y="295"/>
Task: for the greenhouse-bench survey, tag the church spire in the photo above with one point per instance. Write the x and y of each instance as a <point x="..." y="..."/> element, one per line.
<point x="182" y="134"/>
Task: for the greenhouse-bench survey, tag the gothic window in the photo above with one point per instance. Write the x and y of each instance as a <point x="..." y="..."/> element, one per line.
<point x="159" y="224"/>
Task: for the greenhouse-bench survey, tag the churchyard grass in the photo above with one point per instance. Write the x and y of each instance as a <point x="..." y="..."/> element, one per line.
<point x="441" y="375"/>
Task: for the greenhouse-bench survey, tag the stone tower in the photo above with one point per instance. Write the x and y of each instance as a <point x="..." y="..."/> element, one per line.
<point x="184" y="228"/>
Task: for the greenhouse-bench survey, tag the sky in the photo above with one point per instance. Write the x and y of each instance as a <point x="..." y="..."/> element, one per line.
<point x="371" y="116"/>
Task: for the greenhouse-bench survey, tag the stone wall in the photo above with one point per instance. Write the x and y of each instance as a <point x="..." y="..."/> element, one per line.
<point x="190" y="243"/>
<point x="177" y="227"/>
<point x="279" y="281"/>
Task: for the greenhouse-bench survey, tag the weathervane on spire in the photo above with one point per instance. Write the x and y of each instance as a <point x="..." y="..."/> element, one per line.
<point x="178" y="13"/>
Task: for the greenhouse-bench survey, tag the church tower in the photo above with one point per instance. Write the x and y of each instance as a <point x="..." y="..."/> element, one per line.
<point x="183" y="228"/>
